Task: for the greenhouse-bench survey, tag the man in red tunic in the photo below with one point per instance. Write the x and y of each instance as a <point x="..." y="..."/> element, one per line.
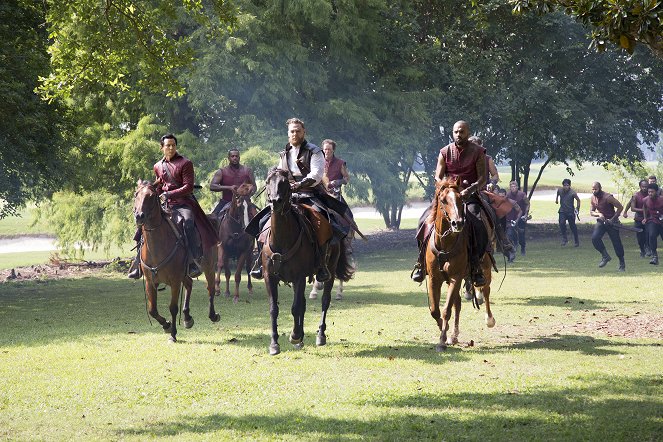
<point x="517" y="226"/>
<point x="229" y="178"/>
<point x="606" y="208"/>
<point x="336" y="171"/>
<point x="175" y="184"/>
<point x="653" y="213"/>
<point x="467" y="161"/>
<point x="636" y="205"/>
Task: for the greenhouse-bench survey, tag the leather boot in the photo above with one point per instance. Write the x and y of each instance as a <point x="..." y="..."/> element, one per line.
<point x="622" y="265"/>
<point x="478" y="278"/>
<point x="135" y="271"/>
<point x="256" y="270"/>
<point x="605" y="259"/>
<point x="195" y="252"/>
<point x="417" y="274"/>
<point x="323" y="274"/>
<point x="654" y="259"/>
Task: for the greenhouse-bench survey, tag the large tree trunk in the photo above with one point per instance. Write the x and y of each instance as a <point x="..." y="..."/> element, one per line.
<point x="538" y="177"/>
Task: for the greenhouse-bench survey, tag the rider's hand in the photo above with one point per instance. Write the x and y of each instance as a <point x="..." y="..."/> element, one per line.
<point x="164" y="197"/>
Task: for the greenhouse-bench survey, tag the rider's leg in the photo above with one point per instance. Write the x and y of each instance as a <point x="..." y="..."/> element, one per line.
<point x="478" y="241"/>
<point x="193" y="240"/>
<point x="419" y="271"/>
<point x="135" y="269"/>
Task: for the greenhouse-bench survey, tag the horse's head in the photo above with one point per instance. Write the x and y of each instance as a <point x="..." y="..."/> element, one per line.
<point x="449" y="204"/>
<point x="278" y="189"/>
<point x="146" y="202"/>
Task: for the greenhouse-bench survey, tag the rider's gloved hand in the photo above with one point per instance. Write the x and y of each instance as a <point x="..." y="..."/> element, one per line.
<point x="164" y="197"/>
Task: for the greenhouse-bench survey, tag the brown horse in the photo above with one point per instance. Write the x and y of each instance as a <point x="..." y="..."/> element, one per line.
<point x="163" y="257"/>
<point x="447" y="260"/>
<point x="288" y="255"/>
<point x="234" y="241"/>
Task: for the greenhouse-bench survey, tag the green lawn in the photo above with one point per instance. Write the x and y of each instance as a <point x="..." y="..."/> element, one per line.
<point x="81" y="361"/>
<point x="24" y="224"/>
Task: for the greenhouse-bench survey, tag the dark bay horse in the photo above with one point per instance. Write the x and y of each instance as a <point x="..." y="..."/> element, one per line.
<point x="288" y="255"/>
<point x="235" y="243"/>
<point x="163" y="257"/>
<point x="447" y="260"/>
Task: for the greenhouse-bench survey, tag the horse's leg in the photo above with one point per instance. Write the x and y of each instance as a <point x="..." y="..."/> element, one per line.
<point x="151" y="294"/>
<point x="485" y="291"/>
<point x="226" y="265"/>
<point x="455" y="299"/>
<point x="188" y="319"/>
<point x="247" y="263"/>
<point x="339" y="292"/>
<point x="272" y="286"/>
<point x="298" y="309"/>
<point x="321" y="338"/>
<point x="314" y="290"/>
<point x="453" y="286"/>
<point x="434" y="290"/>
<point x="217" y="271"/>
<point x="238" y="275"/>
<point x="174" y="310"/>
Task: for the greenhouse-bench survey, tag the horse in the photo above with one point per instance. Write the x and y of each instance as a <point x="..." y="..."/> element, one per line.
<point x="234" y="241"/>
<point x="447" y="260"/>
<point x="288" y="255"/>
<point x="163" y="258"/>
<point x="317" y="286"/>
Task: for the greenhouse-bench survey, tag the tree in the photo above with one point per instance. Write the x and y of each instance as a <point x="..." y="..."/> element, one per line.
<point x="35" y="136"/>
<point x="622" y="22"/>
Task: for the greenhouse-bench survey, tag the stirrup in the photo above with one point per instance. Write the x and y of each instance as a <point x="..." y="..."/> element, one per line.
<point x="323" y="274"/>
<point x="195" y="269"/>
<point x="417" y="274"/>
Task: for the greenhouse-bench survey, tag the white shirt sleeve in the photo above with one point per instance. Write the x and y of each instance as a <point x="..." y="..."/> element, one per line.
<point x="317" y="167"/>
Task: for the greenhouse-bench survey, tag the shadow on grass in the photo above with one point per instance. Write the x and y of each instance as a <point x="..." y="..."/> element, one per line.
<point x="595" y="408"/>
<point x="566" y="302"/>
<point x="587" y="345"/>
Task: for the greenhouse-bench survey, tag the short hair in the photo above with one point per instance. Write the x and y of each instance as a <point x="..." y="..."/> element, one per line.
<point x="328" y="141"/>
<point x="514" y="182"/>
<point x="597" y="185"/>
<point x="295" y="121"/>
<point x="168" y="137"/>
<point x="233" y="149"/>
<point x="566" y="181"/>
<point x="476" y="140"/>
<point x="653" y="186"/>
<point x="652" y="177"/>
<point x="642" y="181"/>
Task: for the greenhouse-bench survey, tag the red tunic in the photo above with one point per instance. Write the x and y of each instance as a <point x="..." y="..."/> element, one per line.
<point x="333" y="169"/>
<point x="604" y="207"/>
<point x="519" y="198"/>
<point x="462" y="163"/>
<point x="178" y="182"/>
<point x="234" y="176"/>
<point x="638" y="203"/>
<point x="654" y="209"/>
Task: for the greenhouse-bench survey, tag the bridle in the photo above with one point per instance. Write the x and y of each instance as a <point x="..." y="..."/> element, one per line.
<point x="156" y="206"/>
<point x="442" y="254"/>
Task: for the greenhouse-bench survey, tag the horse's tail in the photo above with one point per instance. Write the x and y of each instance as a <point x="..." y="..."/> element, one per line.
<point x="345" y="270"/>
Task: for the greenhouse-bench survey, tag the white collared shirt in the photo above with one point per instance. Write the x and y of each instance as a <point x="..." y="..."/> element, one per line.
<point x="317" y="165"/>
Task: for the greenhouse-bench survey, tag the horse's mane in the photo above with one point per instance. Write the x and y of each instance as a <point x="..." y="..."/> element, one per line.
<point x="276" y="171"/>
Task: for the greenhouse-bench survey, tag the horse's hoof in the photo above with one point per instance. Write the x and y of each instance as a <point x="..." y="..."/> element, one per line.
<point x="172" y="339"/>
<point x="250" y="292"/>
<point x="313" y="296"/>
<point x="320" y="340"/>
<point x="235" y="299"/>
<point x="189" y="323"/>
<point x="295" y="341"/>
<point x="274" y="349"/>
<point x="166" y="327"/>
<point x="319" y="285"/>
<point x="227" y="294"/>
<point x="339" y="296"/>
<point x="452" y="341"/>
<point x="217" y="293"/>
<point x="490" y="321"/>
<point x="298" y="346"/>
<point x="215" y="317"/>
<point x="440" y="348"/>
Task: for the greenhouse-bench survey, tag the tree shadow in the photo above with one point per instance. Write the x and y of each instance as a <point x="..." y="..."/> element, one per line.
<point x="565" y="302"/>
<point x="584" y="412"/>
<point x="588" y="345"/>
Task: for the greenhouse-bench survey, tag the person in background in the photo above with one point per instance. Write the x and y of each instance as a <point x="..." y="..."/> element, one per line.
<point x="606" y="208"/>
<point x="653" y="219"/>
<point x="636" y="204"/>
<point x="229" y="178"/>
<point x="568" y="211"/>
<point x="518" y="234"/>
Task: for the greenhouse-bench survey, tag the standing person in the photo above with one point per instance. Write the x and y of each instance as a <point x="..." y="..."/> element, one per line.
<point x="306" y="163"/>
<point x="653" y="219"/>
<point x="567" y="211"/>
<point x="521" y="199"/>
<point x="636" y="204"/>
<point x="335" y="171"/>
<point x="465" y="160"/>
<point x="229" y="178"/>
<point x="606" y="208"/>
<point x="175" y="184"/>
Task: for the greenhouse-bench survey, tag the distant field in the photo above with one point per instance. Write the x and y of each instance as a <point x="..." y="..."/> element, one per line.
<point x="553" y="175"/>
<point x="22" y="224"/>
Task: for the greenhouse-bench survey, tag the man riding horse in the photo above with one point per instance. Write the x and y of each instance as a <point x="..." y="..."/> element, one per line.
<point x="175" y="184"/>
<point x="305" y="163"/>
<point x="228" y="179"/>
<point x="467" y="161"/>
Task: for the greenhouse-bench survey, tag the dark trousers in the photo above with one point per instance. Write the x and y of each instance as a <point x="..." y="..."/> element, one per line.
<point x="653" y="231"/>
<point x="516" y="233"/>
<point x="479" y="236"/>
<point x="571" y="219"/>
<point x="643" y="241"/>
<point x="600" y="230"/>
<point x="195" y="245"/>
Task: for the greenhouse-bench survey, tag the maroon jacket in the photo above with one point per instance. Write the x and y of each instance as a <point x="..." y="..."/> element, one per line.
<point x="464" y="163"/>
<point x="638" y="203"/>
<point x="519" y="198"/>
<point x="233" y="177"/>
<point x="178" y="182"/>
<point x="604" y="207"/>
<point x="654" y="207"/>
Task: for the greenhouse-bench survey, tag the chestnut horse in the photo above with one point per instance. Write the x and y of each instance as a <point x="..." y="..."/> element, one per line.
<point x="163" y="257"/>
<point x="234" y="241"/>
<point x="288" y="255"/>
<point x="447" y="260"/>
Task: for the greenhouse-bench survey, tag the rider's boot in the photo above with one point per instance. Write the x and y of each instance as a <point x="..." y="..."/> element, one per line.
<point x="135" y="271"/>
<point x="256" y="270"/>
<point x="195" y="251"/>
<point x="605" y="258"/>
<point x="323" y="274"/>
<point x="622" y="265"/>
<point x="478" y="278"/>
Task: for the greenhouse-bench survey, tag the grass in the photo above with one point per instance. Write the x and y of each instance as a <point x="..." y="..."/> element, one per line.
<point x="24" y="224"/>
<point x="81" y="361"/>
<point x="21" y="259"/>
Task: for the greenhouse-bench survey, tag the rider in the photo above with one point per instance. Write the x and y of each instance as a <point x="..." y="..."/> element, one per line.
<point x="305" y="162"/>
<point x="175" y="184"/>
<point x="606" y="208"/>
<point x="636" y="204"/>
<point x="467" y="161"/>
<point x="229" y="178"/>
<point x="653" y="213"/>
